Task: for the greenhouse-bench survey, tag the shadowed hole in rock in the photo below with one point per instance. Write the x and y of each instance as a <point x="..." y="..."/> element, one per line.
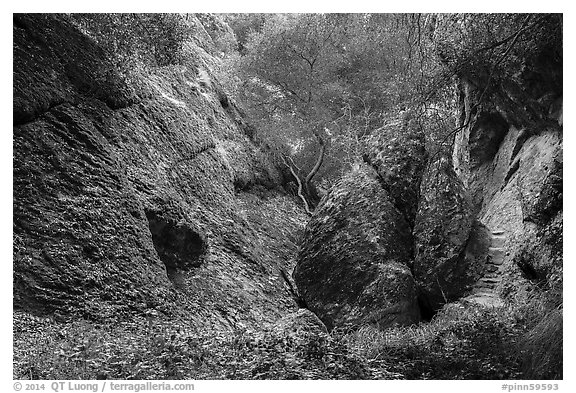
<point x="224" y="102"/>
<point x="426" y="310"/>
<point x="486" y="135"/>
<point x="524" y="261"/>
<point x="179" y="247"/>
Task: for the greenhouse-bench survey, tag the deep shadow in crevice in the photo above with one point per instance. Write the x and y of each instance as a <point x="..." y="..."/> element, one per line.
<point x="426" y="310"/>
<point x="293" y="289"/>
<point x="179" y="246"/>
<point x="524" y="261"/>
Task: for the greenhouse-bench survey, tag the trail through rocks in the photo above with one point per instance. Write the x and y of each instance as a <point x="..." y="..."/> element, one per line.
<point x="485" y="291"/>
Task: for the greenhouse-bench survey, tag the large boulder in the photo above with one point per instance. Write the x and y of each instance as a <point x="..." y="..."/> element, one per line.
<point x="352" y="266"/>
<point x="397" y="152"/>
<point x="450" y="246"/>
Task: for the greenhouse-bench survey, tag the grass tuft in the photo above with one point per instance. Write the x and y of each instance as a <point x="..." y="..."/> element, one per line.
<point x="541" y="348"/>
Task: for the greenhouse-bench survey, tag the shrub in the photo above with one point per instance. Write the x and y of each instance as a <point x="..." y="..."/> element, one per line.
<point x="45" y="349"/>
<point x="462" y="341"/>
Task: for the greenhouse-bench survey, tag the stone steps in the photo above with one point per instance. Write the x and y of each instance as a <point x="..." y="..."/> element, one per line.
<point x="490" y="280"/>
<point x="498" y="242"/>
<point x="498" y="238"/>
<point x="486" y="300"/>
<point x="485" y="290"/>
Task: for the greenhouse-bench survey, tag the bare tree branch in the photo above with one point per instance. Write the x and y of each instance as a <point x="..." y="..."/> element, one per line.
<point x="299" y="182"/>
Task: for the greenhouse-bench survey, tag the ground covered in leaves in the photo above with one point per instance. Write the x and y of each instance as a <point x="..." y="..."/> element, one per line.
<point x="463" y="341"/>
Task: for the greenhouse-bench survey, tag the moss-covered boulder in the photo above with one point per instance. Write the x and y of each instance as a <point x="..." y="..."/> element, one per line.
<point x="140" y="191"/>
<point x="352" y="267"/>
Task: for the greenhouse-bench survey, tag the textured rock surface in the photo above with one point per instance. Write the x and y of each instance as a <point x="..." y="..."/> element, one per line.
<point x="518" y="192"/>
<point x="396" y="151"/>
<point x="148" y="194"/>
<point x="450" y="246"/>
<point x="528" y="207"/>
<point x="352" y="266"/>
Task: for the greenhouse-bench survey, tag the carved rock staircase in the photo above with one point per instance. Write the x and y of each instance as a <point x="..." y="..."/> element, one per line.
<point x="485" y="291"/>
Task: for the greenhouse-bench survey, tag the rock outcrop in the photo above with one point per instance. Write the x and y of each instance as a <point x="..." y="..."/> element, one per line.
<point x="353" y="263"/>
<point x="516" y="189"/>
<point x="519" y="194"/>
<point x="451" y="247"/>
<point x="140" y="193"/>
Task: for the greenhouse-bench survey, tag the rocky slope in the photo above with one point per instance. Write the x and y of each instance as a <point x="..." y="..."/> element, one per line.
<point x="140" y="193"/>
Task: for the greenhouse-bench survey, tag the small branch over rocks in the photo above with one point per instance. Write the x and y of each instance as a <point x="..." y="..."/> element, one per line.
<point x="319" y="161"/>
<point x="299" y="182"/>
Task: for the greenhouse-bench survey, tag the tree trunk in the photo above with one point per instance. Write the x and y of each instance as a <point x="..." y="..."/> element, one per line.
<point x="300" y="194"/>
<point x="316" y="168"/>
<point x="306" y="190"/>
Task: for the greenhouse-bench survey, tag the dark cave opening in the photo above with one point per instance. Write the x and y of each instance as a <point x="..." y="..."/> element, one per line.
<point x="179" y="246"/>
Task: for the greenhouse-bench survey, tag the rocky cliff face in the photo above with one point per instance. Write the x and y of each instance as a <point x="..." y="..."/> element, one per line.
<point x="510" y="158"/>
<point x="140" y="194"/>
<point x="518" y="193"/>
